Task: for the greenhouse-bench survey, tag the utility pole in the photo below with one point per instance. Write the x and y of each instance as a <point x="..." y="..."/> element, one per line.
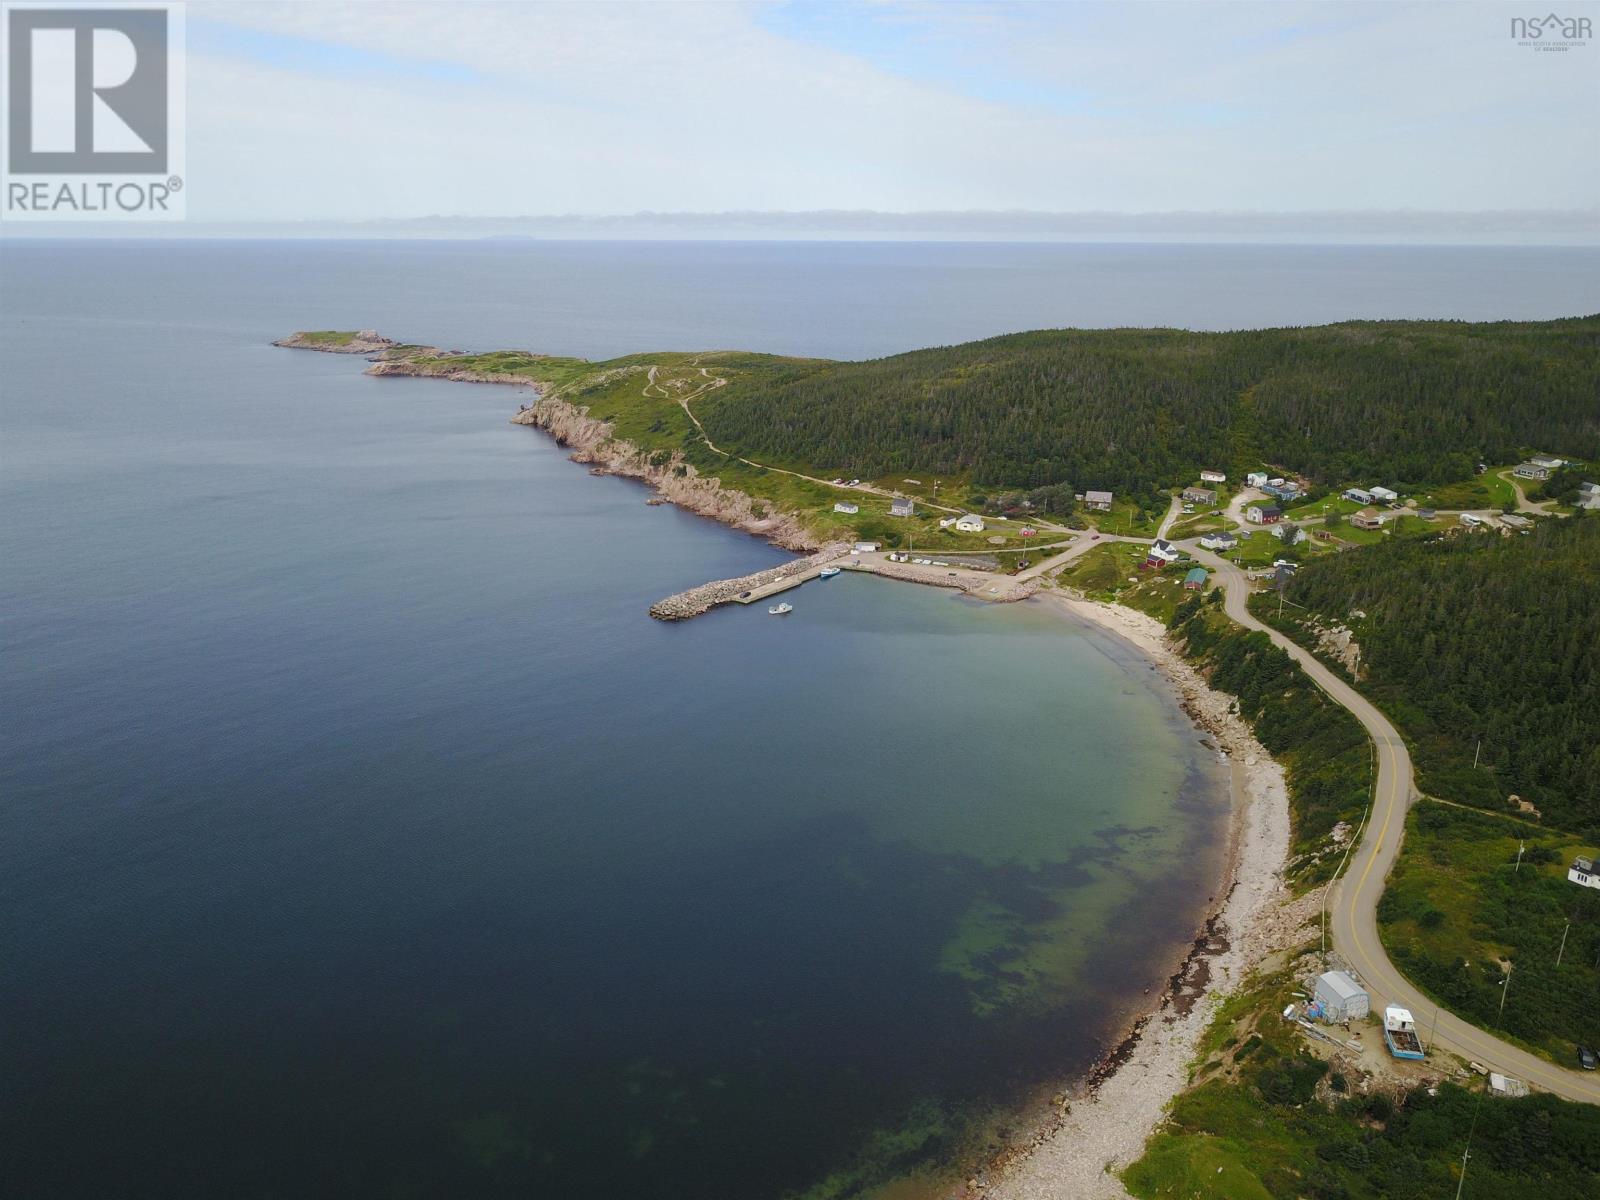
<point x="1563" y="949"/>
<point x="1521" y="846"/>
<point x="1466" y="1152"/>
<point x="1505" y="988"/>
<point x="1475" y="754"/>
<point x="1433" y="1030"/>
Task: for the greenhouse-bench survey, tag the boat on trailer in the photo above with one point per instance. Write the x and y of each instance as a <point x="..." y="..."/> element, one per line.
<point x="1400" y="1031"/>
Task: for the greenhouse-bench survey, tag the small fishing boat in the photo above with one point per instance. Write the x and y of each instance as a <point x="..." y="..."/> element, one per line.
<point x="828" y="572"/>
<point x="779" y="609"/>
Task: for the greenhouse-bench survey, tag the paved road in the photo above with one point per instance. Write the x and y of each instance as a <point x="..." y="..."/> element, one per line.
<point x="1353" y="917"/>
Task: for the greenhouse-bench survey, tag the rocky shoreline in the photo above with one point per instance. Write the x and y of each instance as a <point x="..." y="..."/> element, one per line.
<point x="591" y="441"/>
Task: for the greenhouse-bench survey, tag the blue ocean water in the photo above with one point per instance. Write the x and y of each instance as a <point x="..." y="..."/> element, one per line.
<point x="361" y="835"/>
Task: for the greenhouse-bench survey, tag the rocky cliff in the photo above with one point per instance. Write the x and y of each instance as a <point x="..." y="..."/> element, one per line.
<point x="591" y="441"/>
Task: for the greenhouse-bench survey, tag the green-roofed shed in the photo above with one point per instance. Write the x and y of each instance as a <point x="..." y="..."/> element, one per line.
<point x="1195" y="579"/>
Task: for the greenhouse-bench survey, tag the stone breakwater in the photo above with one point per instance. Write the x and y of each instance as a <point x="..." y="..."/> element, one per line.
<point x="720" y="591"/>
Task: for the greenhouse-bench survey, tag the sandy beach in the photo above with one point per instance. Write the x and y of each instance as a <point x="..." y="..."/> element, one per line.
<point x="1078" y="1155"/>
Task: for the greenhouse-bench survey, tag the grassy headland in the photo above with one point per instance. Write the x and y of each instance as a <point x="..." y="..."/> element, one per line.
<point x="1024" y="424"/>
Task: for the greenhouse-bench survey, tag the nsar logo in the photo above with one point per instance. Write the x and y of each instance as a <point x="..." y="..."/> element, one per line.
<point x="1551" y="32"/>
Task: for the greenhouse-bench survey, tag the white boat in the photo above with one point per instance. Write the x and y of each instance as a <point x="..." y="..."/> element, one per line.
<point x="828" y="572"/>
<point x="779" y="610"/>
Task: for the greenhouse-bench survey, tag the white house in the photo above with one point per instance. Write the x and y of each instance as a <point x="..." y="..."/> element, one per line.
<point x="844" y="506"/>
<point x="1283" y="534"/>
<point x="1213" y="477"/>
<point x="864" y="547"/>
<point x="1589" y="495"/>
<point x="1531" y="470"/>
<point x="1383" y="493"/>
<point x="946" y="522"/>
<point x="1256" y="479"/>
<point x="1547" y="460"/>
<point x="1359" y="495"/>
<point x="1163" y="551"/>
<point x="1099" y="501"/>
<point x="1584" y="873"/>
<point x="1218" y="541"/>
<point x="969" y="523"/>
<point x="1341" y="997"/>
<point x="902" y="507"/>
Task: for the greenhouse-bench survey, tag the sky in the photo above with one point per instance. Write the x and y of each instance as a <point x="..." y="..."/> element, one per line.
<point x="376" y="110"/>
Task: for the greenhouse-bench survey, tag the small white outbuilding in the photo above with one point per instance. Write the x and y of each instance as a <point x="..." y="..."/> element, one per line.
<point x="1341" y="997"/>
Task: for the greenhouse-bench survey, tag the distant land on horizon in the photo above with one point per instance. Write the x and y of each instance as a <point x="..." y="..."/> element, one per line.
<point x="1572" y="227"/>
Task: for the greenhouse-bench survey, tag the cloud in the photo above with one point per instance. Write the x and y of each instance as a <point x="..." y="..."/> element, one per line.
<point x="378" y="110"/>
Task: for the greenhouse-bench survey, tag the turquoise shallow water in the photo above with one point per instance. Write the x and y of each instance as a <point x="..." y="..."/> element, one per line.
<point x="362" y="836"/>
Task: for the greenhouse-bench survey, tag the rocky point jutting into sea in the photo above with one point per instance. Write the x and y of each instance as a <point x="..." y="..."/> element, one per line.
<point x="594" y="442"/>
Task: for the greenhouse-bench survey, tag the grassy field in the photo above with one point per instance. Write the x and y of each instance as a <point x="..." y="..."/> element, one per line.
<point x="1257" y="549"/>
<point x="1105" y="572"/>
<point x="1128" y="519"/>
<point x="1486" y="491"/>
<point x="1194" y="526"/>
<point x="1358" y="537"/>
<point x="1458" y="907"/>
<point x="1323" y="506"/>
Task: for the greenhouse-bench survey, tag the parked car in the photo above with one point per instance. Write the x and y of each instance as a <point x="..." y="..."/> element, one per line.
<point x="1586" y="1058"/>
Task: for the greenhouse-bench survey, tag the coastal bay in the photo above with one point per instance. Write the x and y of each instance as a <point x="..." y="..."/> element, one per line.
<point x="351" y="768"/>
<point x="357" y="800"/>
<point x="1120" y="1099"/>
